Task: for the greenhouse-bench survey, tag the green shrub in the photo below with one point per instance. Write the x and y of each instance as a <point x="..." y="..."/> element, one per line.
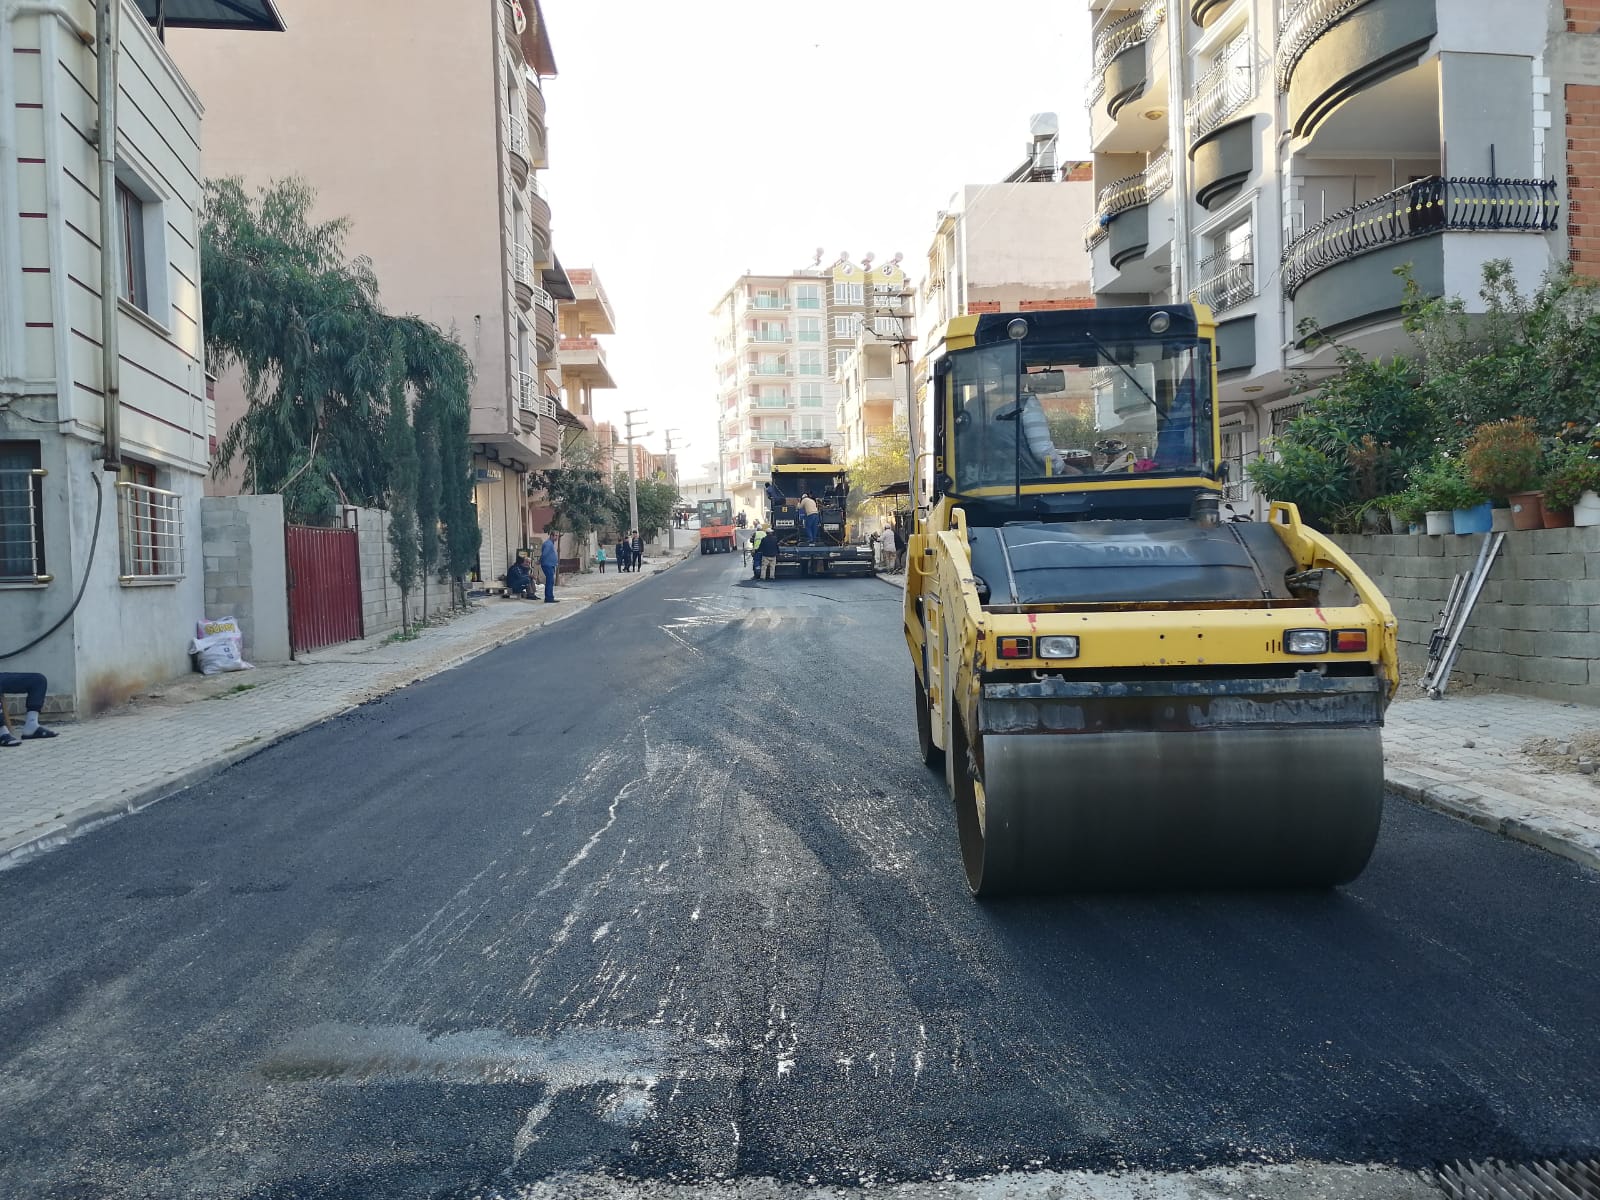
<point x="1503" y="457"/>
<point x="1572" y="472"/>
<point x="1442" y="484"/>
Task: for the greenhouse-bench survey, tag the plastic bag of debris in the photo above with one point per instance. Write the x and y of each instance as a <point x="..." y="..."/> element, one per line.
<point x="218" y="646"/>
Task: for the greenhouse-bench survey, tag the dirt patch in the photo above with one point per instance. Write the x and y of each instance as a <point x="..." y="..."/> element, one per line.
<point x="1579" y="753"/>
<point x="1460" y="684"/>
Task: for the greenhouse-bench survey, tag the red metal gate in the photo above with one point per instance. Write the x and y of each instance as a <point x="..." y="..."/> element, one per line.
<point x="324" y="586"/>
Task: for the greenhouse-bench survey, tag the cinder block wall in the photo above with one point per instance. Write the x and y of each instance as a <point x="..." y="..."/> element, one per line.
<point x="380" y="598"/>
<point x="246" y="575"/>
<point x="1536" y="627"/>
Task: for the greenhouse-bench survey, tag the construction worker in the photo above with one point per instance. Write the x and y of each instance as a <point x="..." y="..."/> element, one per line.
<point x="757" y="537"/>
<point x="769" y="555"/>
<point x="813" y="517"/>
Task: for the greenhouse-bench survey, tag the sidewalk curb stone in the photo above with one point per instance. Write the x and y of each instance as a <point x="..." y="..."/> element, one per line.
<point x="136" y="800"/>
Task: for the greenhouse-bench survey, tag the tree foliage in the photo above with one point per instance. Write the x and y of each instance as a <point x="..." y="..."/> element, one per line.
<point x="887" y="460"/>
<point x="577" y="489"/>
<point x="324" y="365"/>
<point x="656" y="497"/>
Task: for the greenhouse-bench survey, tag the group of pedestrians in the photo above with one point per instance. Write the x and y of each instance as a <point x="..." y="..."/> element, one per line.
<point x="630" y="552"/>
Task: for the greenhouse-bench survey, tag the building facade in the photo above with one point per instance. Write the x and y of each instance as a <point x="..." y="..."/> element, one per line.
<point x="104" y="441"/>
<point x="1280" y="162"/>
<point x="781" y="341"/>
<point x="872" y="394"/>
<point x="584" y="320"/>
<point x="442" y="187"/>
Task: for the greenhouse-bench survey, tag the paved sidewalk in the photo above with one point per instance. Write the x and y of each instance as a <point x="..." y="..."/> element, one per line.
<point x="101" y="769"/>
<point x="1464" y="755"/>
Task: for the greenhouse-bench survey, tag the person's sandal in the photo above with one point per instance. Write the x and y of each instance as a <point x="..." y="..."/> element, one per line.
<point x="38" y="733"/>
<point x="9" y="739"/>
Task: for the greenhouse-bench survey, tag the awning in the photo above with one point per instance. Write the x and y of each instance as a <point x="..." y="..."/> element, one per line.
<point x="259" y="15"/>
<point x="563" y="417"/>
<point x="899" y="487"/>
<point x="556" y="281"/>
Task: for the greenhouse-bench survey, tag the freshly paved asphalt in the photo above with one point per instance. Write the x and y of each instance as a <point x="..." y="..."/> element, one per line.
<point x="662" y="893"/>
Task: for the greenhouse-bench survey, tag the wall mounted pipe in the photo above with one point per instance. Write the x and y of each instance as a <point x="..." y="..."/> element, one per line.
<point x="107" y="45"/>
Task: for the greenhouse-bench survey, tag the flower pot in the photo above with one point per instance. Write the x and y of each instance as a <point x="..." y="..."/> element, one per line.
<point x="1439" y="522"/>
<point x="1416" y="527"/>
<point x="1587" y="510"/>
<point x="1501" y="521"/>
<point x="1374" y="521"/>
<point x="1399" y="524"/>
<point x="1558" y="518"/>
<point x="1527" y="510"/>
<point x="1476" y="519"/>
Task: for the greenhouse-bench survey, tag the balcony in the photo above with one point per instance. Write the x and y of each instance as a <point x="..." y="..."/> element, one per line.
<point x="584" y="358"/>
<point x="1324" y="58"/>
<point x="520" y="158"/>
<point x="530" y="404"/>
<point x="1131" y="191"/>
<point x="768" y="339"/>
<point x="767" y="369"/>
<point x="536" y="121"/>
<point x="1129" y="64"/>
<point x="1203" y="12"/>
<point x="1227" y="279"/>
<point x="544" y="324"/>
<point x="538" y="212"/>
<point x="522" y="277"/>
<point x="1341" y="272"/>
<point x="1128" y="249"/>
<point x="766" y="304"/>
<point x="1223" y="90"/>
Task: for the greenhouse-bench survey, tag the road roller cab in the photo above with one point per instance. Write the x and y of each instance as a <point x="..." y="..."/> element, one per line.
<point x="1123" y="690"/>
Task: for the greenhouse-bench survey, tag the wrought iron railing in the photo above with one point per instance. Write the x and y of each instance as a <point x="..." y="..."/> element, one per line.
<point x="1425" y="207"/>
<point x="1227" y="278"/>
<point x="1224" y="89"/>
<point x="544" y="300"/>
<point x="519" y="139"/>
<point x="150" y="532"/>
<point x="1128" y="192"/>
<point x="22" y="525"/>
<point x="1304" y="21"/>
<point x="1122" y="34"/>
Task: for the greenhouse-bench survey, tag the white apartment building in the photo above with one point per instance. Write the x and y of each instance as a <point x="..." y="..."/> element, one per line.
<point x="780" y="342"/>
<point x="1279" y="161"/>
<point x="104" y="427"/>
<point x="872" y="393"/>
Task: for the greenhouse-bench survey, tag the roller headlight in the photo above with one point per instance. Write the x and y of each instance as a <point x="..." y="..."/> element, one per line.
<point x="1305" y="641"/>
<point x="1058" y="646"/>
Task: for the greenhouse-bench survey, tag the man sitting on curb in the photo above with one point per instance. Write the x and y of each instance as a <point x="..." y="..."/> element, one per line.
<point x="35" y="686"/>
<point x="519" y="579"/>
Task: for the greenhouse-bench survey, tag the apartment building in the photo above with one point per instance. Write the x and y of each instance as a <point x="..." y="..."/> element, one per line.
<point x="580" y="353"/>
<point x="104" y="434"/>
<point x="440" y="182"/>
<point x="781" y="341"/>
<point x="1279" y="161"/>
<point x="872" y="393"/>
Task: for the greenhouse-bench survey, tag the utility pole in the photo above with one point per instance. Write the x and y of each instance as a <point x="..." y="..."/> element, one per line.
<point x="722" y="460"/>
<point x="905" y="344"/>
<point x="672" y="521"/>
<point x="633" y="482"/>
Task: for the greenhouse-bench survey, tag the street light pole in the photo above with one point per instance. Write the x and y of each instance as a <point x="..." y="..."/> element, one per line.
<point x="633" y="482"/>
<point x="672" y="520"/>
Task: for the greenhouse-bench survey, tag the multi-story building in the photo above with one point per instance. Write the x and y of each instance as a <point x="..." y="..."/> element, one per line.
<point x="872" y="393"/>
<point x="584" y="320"/>
<point x="780" y="343"/>
<point x="441" y="186"/>
<point x="1280" y="161"/>
<point x="104" y="443"/>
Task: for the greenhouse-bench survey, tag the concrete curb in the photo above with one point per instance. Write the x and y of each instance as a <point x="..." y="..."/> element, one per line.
<point x="1467" y="804"/>
<point x="103" y="812"/>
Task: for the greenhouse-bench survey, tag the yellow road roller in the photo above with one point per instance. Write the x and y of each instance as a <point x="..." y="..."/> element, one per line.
<point x="1124" y="690"/>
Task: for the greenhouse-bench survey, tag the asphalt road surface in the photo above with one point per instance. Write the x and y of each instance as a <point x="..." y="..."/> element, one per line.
<point x="659" y="901"/>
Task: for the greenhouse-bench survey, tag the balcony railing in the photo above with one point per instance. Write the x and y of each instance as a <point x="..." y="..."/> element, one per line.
<point x="1304" y="21"/>
<point x="1128" y="192"/>
<point x="768" y="304"/>
<point x="150" y="530"/>
<point x="769" y="337"/>
<point x="1227" y="278"/>
<point x="1120" y="35"/>
<point x="1224" y="89"/>
<point x="519" y="140"/>
<point x="1419" y="209"/>
<point x="544" y="300"/>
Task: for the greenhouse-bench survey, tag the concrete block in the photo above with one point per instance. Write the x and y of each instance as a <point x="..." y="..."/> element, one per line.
<point x="216" y="580"/>
<point x="1570" y="618"/>
<point x="217" y="549"/>
<point x="1548" y="669"/>
<point x="1429" y="547"/>
<point x="1549" y="644"/>
<point x="232" y="595"/>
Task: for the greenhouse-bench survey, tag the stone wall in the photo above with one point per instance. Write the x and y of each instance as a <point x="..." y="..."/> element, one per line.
<point x="380" y="598"/>
<point x="246" y="575"/>
<point x="1536" y="627"/>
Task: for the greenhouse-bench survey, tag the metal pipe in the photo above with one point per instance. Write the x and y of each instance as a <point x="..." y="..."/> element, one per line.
<point x="107" y="21"/>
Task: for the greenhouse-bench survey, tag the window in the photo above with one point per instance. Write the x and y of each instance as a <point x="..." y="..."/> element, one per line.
<point x="846" y="327"/>
<point x="886" y="326"/>
<point x="808" y="329"/>
<point x="771" y="331"/>
<point x="810" y="395"/>
<point x="811" y="429"/>
<point x="150" y="527"/>
<point x="134" y="275"/>
<point x="768" y="298"/>
<point x="840" y="357"/>
<point x="1227" y="269"/>
<point x="21" y="514"/>
<point x="810" y="362"/>
<point x="847" y="293"/>
<point x="808" y="295"/>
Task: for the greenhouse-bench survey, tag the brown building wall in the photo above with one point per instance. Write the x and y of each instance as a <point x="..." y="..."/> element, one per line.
<point x="1583" y="173"/>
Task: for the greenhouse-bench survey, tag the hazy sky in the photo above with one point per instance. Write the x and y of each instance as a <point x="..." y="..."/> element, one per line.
<point x="691" y="142"/>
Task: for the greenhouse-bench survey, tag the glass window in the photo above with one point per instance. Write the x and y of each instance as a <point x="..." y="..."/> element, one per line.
<point x="21" y="512"/>
<point x="840" y="357"/>
<point x="133" y="284"/>
<point x="808" y="295"/>
<point x="847" y="293"/>
<point x="810" y="362"/>
<point x="808" y="329"/>
<point x="1135" y="407"/>
<point x="810" y="395"/>
<point x="846" y="326"/>
<point x="811" y="429"/>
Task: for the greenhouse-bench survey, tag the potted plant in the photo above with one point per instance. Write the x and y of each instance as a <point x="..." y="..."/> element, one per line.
<point x="1572" y="474"/>
<point x="1453" y="504"/>
<point x="1405" y="510"/>
<point x="1502" y="460"/>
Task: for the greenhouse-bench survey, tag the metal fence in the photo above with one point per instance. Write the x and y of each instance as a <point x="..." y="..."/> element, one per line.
<point x="150" y="533"/>
<point x="1304" y="21"/>
<point x="1427" y="206"/>
<point x="1224" y="89"/>
<point x="1122" y="34"/>
<point x="22" y="525"/>
<point x="1228" y="277"/>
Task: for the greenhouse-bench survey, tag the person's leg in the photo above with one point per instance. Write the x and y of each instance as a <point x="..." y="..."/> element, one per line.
<point x="34" y="686"/>
<point x="549" y="587"/>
